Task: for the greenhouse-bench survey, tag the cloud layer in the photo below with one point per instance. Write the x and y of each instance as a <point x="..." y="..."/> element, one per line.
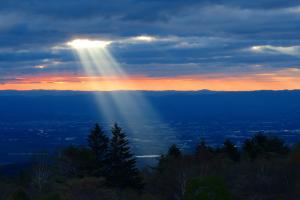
<point x="152" y="38"/>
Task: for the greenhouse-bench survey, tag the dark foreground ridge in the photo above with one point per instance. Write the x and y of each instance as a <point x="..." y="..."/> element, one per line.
<point x="263" y="168"/>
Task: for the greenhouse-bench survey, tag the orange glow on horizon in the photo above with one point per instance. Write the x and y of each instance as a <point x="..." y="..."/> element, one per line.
<point x="268" y="81"/>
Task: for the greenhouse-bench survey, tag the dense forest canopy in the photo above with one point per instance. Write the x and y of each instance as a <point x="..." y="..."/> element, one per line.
<point x="263" y="168"/>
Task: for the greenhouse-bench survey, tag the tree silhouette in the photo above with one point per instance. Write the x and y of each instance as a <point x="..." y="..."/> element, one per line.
<point x="98" y="143"/>
<point x="263" y="145"/>
<point x="202" y="146"/>
<point x="231" y="150"/>
<point x="122" y="172"/>
<point x="204" y="151"/>
<point x="174" y="151"/>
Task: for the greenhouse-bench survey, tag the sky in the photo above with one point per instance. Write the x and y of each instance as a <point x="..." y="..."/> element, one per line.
<point x="160" y="45"/>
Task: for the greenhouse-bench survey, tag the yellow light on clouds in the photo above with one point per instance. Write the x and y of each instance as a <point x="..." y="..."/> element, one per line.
<point x="256" y="48"/>
<point x="40" y="67"/>
<point x="144" y="38"/>
<point x="88" y="44"/>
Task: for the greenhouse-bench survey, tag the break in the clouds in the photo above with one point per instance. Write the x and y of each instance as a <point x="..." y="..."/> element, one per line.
<point x="159" y="38"/>
<point x="289" y="50"/>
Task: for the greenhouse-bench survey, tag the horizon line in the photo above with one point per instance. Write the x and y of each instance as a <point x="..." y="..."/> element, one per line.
<point x="201" y="90"/>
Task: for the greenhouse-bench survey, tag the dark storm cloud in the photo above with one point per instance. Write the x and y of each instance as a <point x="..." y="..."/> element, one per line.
<point x="191" y="36"/>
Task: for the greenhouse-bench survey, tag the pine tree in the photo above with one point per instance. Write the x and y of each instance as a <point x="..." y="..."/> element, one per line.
<point x="204" y="151"/>
<point x="261" y="145"/>
<point x="122" y="172"/>
<point x="98" y="143"/>
<point x="174" y="151"/>
<point x="231" y="150"/>
<point x="202" y="146"/>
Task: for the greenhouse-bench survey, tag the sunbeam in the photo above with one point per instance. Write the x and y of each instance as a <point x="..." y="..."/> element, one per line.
<point x="88" y="44"/>
<point x="129" y="108"/>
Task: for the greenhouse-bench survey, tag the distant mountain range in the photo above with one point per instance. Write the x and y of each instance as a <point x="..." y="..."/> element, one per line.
<point x="171" y="105"/>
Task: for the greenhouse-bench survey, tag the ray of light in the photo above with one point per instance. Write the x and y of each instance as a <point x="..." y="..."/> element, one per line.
<point x="92" y="71"/>
<point x="130" y="108"/>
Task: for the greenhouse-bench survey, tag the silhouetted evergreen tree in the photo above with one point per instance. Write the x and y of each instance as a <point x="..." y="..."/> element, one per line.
<point x="249" y="149"/>
<point x="174" y="151"/>
<point x="98" y="143"/>
<point x="262" y="145"/>
<point x="122" y="172"/>
<point x="202" y="146"/>
<point x="231" y="150"/>
<point x="203" y="151"/>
